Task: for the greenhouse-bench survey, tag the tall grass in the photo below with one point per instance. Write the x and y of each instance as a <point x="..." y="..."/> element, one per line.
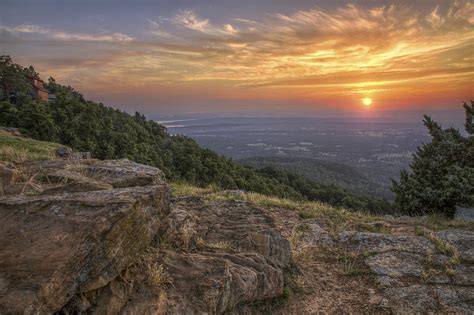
<point x="18" y="149"/>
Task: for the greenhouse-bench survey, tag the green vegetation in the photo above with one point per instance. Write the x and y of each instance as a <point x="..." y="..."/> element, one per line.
<point x="329" y="194"/>
<point x="110" y="134"/>
<point x="13" y="78"/>
<point x="338" y="218"/>
<point x="324" y="172"/>
<point x="19" y="149"/>
<point x="442" y="172"/>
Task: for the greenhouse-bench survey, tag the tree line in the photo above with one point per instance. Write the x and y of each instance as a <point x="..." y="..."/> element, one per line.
<point x="109" y="133"/>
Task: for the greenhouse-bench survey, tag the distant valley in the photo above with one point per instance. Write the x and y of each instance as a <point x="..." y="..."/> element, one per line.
<point x="325" y="172"/>
<point x="358" y="154"/>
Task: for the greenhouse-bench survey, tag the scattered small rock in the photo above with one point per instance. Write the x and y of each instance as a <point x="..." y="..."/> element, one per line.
<point x="465" y="214"/>
<point x="396" y="264"/>
<point x="64" y="152"/>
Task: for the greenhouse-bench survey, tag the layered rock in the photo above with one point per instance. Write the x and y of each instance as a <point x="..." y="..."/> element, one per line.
<point x="213" y="258"/>
<point x="55" y="245"/>
<point x="430" y="272"/>
<point x="238" y="256"/>
<point x="101" y="237"/>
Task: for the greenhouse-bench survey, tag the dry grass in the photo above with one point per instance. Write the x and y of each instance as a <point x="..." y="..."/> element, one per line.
<point x="157" y="275"/>
<point x="154" y="272"/>
<point x="438" y="222"/>
<point x="223" y="245"/>
<point x="183" y="189"/>
<point x="351" y="263"/>
<point x="187" y="232"/>
<point x="18" y="149"/>
<point x="442" y="246"/>
<point x="339" y="219"/>
<point x="26" y="183"/>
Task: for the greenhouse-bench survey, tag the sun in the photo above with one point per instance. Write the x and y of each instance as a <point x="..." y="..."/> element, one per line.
<point x="367" y="101"/>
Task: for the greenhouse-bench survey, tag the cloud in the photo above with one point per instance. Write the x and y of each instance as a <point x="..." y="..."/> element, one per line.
<point x="392" y="51"/>
<point x="67" y="36"/>
<point x="157" y="30"/>
<point x="190" y="20"/>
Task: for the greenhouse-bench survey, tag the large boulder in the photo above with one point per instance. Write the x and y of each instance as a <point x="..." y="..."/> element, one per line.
<point x="54" y="246"/>
<point x="213" y="258"/>
<point x="233" y="225"/>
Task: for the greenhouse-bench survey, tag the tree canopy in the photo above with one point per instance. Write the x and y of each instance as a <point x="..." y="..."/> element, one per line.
<point x="442" y="171"/>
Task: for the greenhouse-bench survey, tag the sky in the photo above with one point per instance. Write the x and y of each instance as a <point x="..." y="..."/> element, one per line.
<point x="241" y="56"/>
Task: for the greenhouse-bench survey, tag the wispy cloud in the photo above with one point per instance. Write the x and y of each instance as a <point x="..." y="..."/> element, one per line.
<point x="157" y="29"/>
<point x="67" y="36"/>
<point x="387" y="52"/>
<point x="190" y="20"/>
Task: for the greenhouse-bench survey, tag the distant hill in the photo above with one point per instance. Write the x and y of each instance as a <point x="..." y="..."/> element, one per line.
<point x="323" y="172"/>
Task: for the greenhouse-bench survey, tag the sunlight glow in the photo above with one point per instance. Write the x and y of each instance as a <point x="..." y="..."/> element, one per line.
<point x="367" y="101"/>
<point x="304" y="55"/>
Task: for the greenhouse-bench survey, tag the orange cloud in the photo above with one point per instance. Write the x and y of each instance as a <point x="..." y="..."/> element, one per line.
<point x="391" y="53"/>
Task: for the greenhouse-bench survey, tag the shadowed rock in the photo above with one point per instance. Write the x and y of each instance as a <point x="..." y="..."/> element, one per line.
<point x="52" y="246"/>
<point x="214" y="257"/>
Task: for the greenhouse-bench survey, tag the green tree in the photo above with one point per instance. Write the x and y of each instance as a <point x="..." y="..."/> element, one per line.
<point x="13" y="78"/>
<point x="442" y="171"/>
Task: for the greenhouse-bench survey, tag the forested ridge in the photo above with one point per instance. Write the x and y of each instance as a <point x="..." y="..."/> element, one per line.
<point x="109" y="133"/>
<point x="324" y="172"/>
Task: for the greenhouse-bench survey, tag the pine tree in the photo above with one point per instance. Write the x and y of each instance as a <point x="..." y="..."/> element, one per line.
<point x="442" y="171"/>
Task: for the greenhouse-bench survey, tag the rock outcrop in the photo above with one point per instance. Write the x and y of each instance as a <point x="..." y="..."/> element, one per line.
<point x="105" y="237"/>
<point x="213" y="257"/>
<point x="54" y="245"/>
<point x="237" y="254"/>
<point x="102" y="237"/>
<point x="414" y="273"/>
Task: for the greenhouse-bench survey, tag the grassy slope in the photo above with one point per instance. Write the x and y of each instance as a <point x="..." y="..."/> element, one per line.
<point x="19" y="149"/>
<point x="339" y="219"/>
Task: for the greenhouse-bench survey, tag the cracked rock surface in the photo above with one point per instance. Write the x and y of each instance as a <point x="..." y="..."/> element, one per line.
<point x="103" y="237"/>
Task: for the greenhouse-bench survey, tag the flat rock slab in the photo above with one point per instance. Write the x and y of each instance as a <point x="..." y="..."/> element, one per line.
<point x="463" y="241"/>
<point x="415" y="299"/>
<point x="466" y="214"/>
<point x="53" y="246"/>
<point x="396" y="264"/>
<point x="309" y="233"/>
<point x="377" y="243"/>
<point x="118" y="173"/>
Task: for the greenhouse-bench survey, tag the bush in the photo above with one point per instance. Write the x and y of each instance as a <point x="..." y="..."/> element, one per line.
<point x="442" y="171"/>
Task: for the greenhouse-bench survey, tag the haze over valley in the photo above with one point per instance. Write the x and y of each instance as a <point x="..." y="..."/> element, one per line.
<point x="377" y="147"/>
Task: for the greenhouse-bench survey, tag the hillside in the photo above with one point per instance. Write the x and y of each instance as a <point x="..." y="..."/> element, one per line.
<point x="109" y="133"/>
<point x="324" y="172"/>
<point x="15" y="148"/>
<point x="111" y="236"/>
